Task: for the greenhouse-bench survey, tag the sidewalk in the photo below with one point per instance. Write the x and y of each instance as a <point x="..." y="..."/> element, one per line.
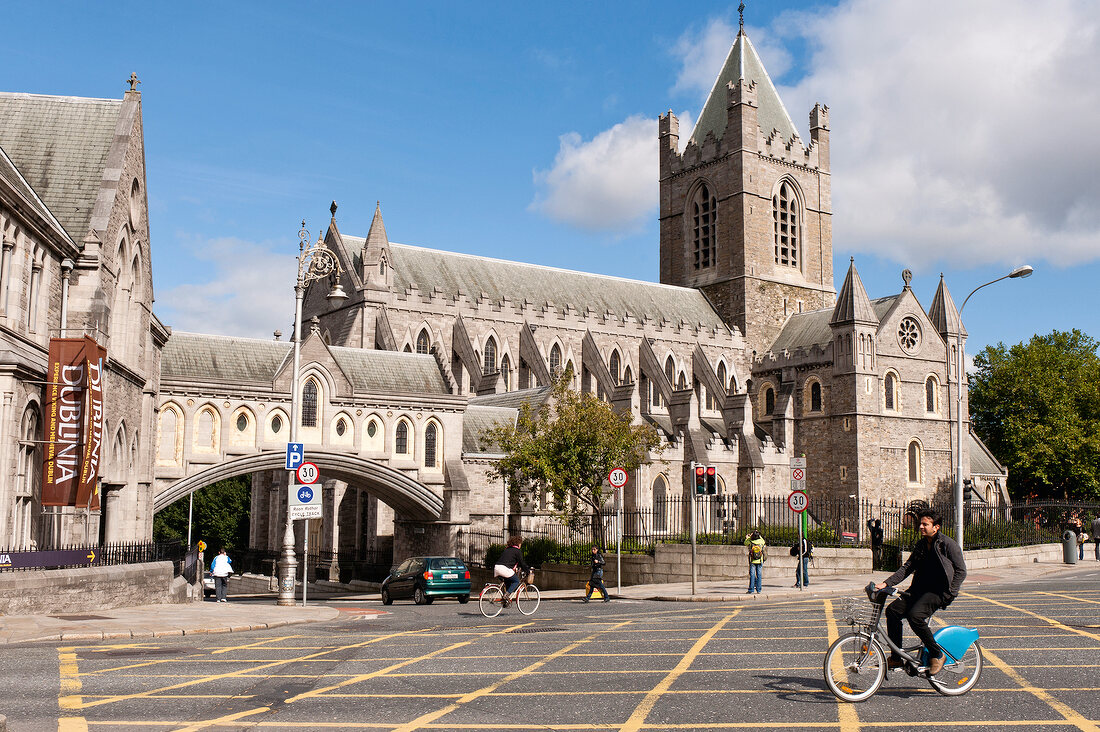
<point x="258" y="612"/>
<point x="155" y="621"/>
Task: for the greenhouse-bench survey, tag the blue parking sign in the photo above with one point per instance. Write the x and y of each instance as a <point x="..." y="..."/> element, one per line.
<point x="295" y="455"/>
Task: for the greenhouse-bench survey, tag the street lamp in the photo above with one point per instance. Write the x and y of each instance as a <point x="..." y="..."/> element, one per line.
<point x="315" y="262"/>
<point x="1021" y="271"/>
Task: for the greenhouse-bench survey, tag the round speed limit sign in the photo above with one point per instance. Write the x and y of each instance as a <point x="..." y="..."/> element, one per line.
<point x="617" y="478"/>
<point x="798" y="501"/>
<point x="308" y="473"/>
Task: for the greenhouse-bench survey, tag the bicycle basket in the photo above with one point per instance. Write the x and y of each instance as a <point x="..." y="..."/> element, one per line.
<point x="530" y="578"/>
<point x="857" y="611"/>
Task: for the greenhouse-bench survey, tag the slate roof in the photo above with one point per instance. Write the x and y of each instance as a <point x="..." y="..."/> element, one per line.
<point x="743" y="63"/>
<point x="982" y="461"/>
<point x="513" y="399"/>
<point x="476" y="420"/>
<point x="852" y="304"/>
<point x="11" y="175"/>
<point x="453" y="273"/>
<point x="810" y="328"/>
<point x="60" y="145"/>
<point x="215" y="358"/>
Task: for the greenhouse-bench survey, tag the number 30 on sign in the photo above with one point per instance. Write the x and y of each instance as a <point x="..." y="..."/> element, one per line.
<point x="617" y="478"/>
<point x="798" y="501"/>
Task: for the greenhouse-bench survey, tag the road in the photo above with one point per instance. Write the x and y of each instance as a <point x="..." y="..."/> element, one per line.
<point x="625" y="665"/>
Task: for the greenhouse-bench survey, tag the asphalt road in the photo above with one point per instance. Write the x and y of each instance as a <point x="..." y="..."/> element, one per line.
<point x="625" y="665"/>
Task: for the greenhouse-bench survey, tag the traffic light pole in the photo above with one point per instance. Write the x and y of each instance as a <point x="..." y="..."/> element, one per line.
<point x="692" y="493"/>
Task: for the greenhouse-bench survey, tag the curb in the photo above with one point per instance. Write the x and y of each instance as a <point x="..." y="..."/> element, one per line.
<point x="145" y="633"/>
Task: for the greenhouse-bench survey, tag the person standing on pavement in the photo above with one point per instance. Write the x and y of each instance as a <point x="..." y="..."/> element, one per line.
<point x="595" y="582"/>
<point x="221" y="568"/>
<point x="758" y="554"/>
<point x="1096" y="536"/>
<point x="938" y="570"/>
<point x="875" y="528"/>
<point x="802" y="579"/>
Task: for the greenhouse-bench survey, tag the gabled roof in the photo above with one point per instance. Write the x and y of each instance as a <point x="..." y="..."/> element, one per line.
<point x="943" y="313"/>
<point x="811" y="328"/>
<point x="454" y="273"/>
<point x="476" y="420"/>
<point x="982" y="461"/>
<point x="852" y="304"/>
<point x="535" y="396"/>
<point x="743" y="63"/>
<point x="60" y="145"/>
<point x="227" y="359"/>
<point x="11" y="175"/>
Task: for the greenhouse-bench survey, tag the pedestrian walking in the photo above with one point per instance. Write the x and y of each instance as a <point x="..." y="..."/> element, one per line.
<point x="1096" y="536"/>
<point x="802" y="579"/>
<point x="221" y="568"/>
<point x="1076" y="528"/>
<point x="595" y="582"/>
<point x="875" y="528"/>
<point x="758" y="554"/>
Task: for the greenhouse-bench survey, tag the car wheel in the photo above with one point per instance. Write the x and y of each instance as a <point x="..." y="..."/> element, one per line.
<point x="386" y="599"/>
<point x="419" y="597"/>
<point x="463" y="599"/>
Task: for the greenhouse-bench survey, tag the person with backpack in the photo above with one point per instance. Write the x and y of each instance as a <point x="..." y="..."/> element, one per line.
<point x="807" y="555"/>
<point x="595" y="582"/>
<point x="758" y="554"/>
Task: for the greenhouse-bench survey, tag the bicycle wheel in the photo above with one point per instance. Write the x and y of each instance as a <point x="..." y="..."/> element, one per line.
<point x="854" y="667"/>
<point x="491" y="601"/>
<point x="528" y="599"/>
<point x="959" y="677"/>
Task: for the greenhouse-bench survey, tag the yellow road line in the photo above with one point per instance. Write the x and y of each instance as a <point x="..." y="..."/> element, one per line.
<point x="68" y="696"/>
<point x="72" y="724"/>
<point x="1069" y="597"/>
<point x="256" y="644"/>
<point x="466" y="698"/>
<point x="638" y="716"/>
<point x="1051" y="621"/>
<point x="195" y="726"/>
<point x="1070" y="714"/>
<point x="846" y="713"/>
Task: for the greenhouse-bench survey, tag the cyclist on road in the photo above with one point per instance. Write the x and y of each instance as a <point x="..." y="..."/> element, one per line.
<point x="511" y="559"/>
<point x="938" y="572"/>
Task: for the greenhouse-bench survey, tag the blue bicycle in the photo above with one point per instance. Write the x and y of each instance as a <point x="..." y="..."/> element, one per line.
<point x="855" y="664"/>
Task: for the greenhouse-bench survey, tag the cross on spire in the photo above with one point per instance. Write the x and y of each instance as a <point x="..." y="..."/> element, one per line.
<point x="741" y="16"/>
<point x="133" y="81"/>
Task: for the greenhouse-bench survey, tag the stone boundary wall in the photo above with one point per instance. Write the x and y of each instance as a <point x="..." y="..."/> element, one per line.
<point x="85" y="589"/>
<point x="1011" y="556"/>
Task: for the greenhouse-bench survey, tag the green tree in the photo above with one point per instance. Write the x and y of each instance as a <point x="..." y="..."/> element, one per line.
<point x="1037" y="406"/>
<point x="567" y="447"/>
<point x="220" y="516"/>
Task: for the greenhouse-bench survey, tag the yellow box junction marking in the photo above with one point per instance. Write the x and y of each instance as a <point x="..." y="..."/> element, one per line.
<point x="846" y="713"/>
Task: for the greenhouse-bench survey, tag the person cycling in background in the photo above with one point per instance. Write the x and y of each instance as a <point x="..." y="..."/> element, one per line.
<point x="510" y="560"/>
<point x="938" y="570"/>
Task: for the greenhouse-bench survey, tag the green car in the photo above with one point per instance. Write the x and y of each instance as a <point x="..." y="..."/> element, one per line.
<point x="426" y="578"/>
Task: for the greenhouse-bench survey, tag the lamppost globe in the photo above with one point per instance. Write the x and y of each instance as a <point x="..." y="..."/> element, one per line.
<point x="1022" y="271"/>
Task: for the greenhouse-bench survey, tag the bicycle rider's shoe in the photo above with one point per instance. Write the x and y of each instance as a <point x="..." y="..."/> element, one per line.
<point x="895" y="663"/>
<point x="935" y="665"/>
<point x="585" y="600"/>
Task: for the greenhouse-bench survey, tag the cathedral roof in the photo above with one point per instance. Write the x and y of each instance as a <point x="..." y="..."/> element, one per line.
<point x="852" y="304"/>
<point x="60" y="145"/>
<point x="11" y="175"/>
<point x="943" y="313"/>
<point x="982" y="461"/>
<point x="812" y="328"/>
<point x="453" y="273"/>
<point x="228" y="359"/>
<point x="743" y="63"/>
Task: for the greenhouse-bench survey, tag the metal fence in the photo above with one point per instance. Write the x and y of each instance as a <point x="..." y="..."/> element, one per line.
<point x="84" y="555"/>
<point x="363" y="565"/>
<point x="830" y="522"/>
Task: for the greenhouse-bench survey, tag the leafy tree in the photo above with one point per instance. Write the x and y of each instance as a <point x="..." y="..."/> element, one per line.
<point x="220" y="516"/>
<point x="1037" y="406"/>
<point x="567" y="447"/>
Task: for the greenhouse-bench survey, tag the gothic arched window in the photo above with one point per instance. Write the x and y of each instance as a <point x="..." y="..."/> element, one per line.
<point x="914" y="462"/>
<point x="628" y="376"/>
<point x="309" y="404"/>
<point x="785" y="219"/>
<point x="555" y="361"/>
<point x="506" y="371"/>
<point x="722" y="374"/>
<point x="613" y="367"/>
<point x="423" y="343"/>
<point x="660" y="503"/>
<point x="489" y="360"/>
<point x="401" y="444"/>
<point x="930" y="394"/>
<point x="815" y="397"/>
<point x="670" y="371"/>
<point x="681" y="382"/>
<point x="890" y="391"/>
<point x="430" y="438"/>
<point x="769" y="400"/>
<point x="704" y="214"/>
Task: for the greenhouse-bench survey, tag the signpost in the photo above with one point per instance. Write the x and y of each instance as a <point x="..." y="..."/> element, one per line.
<point x="617" y="478"/>
<point x="60" y="558"/>
<point x="307" y="473"/>
<point x="799" y="502"/>
<point x="295" y="455"/>
<point x="305" y="503"/>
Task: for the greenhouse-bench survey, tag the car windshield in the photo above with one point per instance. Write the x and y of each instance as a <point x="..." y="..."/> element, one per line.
<point x="447" y="563"/>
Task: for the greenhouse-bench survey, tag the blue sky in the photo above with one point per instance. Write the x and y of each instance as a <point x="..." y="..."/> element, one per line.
<point x="963" y="135"/>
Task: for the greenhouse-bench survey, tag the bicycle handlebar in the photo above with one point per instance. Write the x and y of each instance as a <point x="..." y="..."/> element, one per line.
<point x="879" y="596"/>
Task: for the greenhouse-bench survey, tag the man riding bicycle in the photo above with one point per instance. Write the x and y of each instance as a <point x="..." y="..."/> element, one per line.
<point x="938" y="570"/>
<point x="511" y="559"/>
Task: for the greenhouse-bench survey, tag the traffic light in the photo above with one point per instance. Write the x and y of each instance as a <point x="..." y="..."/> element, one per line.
<point x="712" y="481"/>
<point x="700" y="479"/>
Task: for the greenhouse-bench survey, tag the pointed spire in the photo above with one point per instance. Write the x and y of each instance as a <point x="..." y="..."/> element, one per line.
<point x="943" y="313"/>
<point x="743" y="63"/>
<point x="376" y="237"/>
<point x="852" y="304"/>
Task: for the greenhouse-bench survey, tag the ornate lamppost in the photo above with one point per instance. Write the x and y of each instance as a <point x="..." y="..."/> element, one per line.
<point x="315" y="261"/>
<point x="1021" y="271"/>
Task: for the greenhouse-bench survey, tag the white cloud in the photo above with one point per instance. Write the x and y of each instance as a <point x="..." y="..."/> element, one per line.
<point x="250" y="292"/>
<point x="702" y="53"/>
<point x="603" y="184"/>
<point x="961" y="132"/>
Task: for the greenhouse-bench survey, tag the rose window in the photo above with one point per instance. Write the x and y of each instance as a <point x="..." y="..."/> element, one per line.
<point x="909" y="334"/>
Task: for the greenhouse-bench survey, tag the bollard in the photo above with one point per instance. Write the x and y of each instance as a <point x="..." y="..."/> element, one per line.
<point x="1069" y="547"/>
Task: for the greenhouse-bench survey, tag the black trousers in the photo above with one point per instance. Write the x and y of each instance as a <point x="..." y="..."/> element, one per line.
<point x="917" y="607"/>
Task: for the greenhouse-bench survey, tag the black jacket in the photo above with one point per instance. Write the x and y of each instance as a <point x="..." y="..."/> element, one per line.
<point x="513" y="557"/>
<point x="951" y="559"/>
<point x="597" y="563"/>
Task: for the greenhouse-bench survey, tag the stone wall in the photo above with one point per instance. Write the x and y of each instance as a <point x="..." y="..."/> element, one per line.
<point x="91" y="588"/>
<point x="1012" y="556"/>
